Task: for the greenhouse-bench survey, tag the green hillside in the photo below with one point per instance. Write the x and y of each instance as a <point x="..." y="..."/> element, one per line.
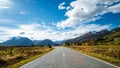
<point x="112" y="38"/>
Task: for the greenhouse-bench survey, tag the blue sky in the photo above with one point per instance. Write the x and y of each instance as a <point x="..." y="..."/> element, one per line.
<point x="56" y="19"/>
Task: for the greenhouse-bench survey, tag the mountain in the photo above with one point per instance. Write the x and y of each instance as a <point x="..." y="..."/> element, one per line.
<point x="104" y="37"/>
<point x="18" y="41"/>
<point x="36" y="41"/>
<point x="88" y="36"/>
<point x="113" y="37"/>
<point x="60" y="42"/>
<point x="44" y="42"/>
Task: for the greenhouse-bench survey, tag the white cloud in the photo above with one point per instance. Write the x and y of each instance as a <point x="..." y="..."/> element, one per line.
<point x="6" y="21"/>
<point x="115" y="8"/>
<point x="70" y="22"/>
<point x="79" y="13"/>
<point x="61" y="6"/>
<point x="29" y="27"/>
<point x="108" y="2"/>
<point x="86" y="11"/>
<point x="35" y="31"/>
<point x="5" y="4"/>
<point x="68" y="8"/>
<point x="22" y="13"/>
<point x="82" y="29"/>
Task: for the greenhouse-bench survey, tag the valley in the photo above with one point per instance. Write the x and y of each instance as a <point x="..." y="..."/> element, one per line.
<point x="104" y="45"/>
<point x="59" y="33"/>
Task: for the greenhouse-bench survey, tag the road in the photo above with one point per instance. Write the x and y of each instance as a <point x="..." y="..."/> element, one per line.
<point x="63" y="57"/>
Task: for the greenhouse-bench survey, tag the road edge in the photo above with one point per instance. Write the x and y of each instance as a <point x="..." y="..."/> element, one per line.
<point x="36" y="57"/>
<point x="95" y="58"/>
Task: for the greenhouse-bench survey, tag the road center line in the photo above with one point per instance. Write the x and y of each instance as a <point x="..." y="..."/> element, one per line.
<point x="63" y="54"/>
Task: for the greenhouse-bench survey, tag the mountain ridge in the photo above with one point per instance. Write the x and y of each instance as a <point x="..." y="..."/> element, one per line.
<point x="44" y="42"/>
<point x="18" y="41"/>
<point x="102" y="37"/>
<point x="24" y="41"/>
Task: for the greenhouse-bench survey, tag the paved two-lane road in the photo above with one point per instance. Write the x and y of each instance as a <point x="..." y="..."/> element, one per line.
<point x="63" y="57"/>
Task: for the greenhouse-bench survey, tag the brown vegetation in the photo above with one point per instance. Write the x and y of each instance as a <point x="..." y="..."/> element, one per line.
<point x="11" y="55"/>
<point x="110" y="53"/>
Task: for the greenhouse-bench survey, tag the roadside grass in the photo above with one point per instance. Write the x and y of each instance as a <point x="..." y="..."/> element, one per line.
<point x="106" y="58"/>
<point x="13" y="55"/>
<point x="18" y="64"/>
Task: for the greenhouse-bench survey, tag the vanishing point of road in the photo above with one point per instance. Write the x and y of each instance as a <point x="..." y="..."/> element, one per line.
<point x="63" y="57"/>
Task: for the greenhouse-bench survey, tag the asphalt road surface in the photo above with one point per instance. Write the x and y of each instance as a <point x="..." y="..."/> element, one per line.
<point x="63" y="57"/>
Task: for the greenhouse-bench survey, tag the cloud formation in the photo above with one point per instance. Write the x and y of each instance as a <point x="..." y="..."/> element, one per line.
<point x="114" y="9"/>
<point x="35" y="31"/>
<point x="86" y="11"/>
<point x="22" y="13"/>
<point x="61" y="6"/>
<point x="79" y="14"/>
<point x="5" y="4"/>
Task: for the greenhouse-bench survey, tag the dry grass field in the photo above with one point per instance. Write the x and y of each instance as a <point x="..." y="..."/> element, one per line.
<point x="110" y="53"/>
<point x="12" y="55"/>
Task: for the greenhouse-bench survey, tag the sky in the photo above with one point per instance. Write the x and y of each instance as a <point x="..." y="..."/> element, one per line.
<point x="56" y="19"/>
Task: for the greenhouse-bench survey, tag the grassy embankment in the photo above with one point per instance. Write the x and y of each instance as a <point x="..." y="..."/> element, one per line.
<point x="107" y="53"/>
<point x="14" y="57"/>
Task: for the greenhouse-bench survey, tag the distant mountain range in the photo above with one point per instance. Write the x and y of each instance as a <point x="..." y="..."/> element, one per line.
<point x="60" y="42"/>
<point x="18" y="41"/>
<point x="88" y="36"/>
<point x="93" y="38"/>
<point x="44" y="42"/>
<point x="96" y="38"/>
<point x="24" y="41"/>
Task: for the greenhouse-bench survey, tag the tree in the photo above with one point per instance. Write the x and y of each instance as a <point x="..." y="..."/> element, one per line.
<point x="49" y="46"/>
